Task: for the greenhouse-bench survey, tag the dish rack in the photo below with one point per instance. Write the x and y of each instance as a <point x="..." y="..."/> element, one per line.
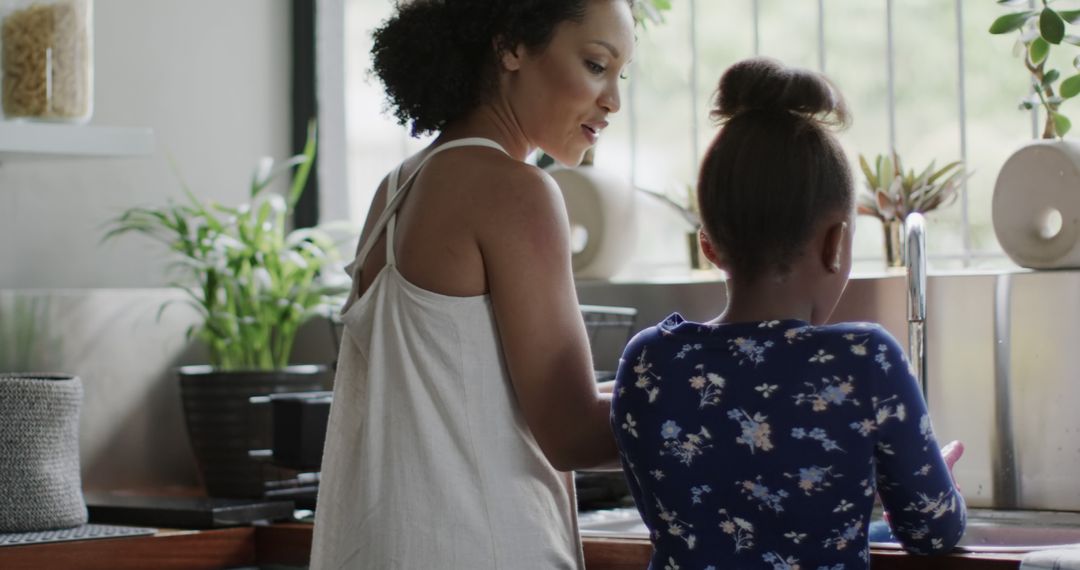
<point x="599" y="318"/>
<point x="608" y="329"/>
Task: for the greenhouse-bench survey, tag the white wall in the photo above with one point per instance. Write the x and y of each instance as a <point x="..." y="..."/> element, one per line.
<point x="211" y="78"/>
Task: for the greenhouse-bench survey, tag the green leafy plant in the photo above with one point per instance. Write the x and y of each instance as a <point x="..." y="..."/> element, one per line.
<point x="27" y="342"/>
<point x="1040" y="30"/>
<point x="253" y="283"/>
<point x="646" y="11"/>
<point x="891" y="193"/>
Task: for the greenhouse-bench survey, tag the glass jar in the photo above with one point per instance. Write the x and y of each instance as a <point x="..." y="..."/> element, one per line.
<point x="46" y="60"/>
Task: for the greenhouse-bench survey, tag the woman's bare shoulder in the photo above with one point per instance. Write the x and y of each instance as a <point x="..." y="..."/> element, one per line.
<point x="517" y="188"/>
<point x="491" y="171"/>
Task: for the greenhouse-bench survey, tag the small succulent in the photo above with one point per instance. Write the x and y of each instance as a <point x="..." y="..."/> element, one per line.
<point x="1039" y="31"/>
<point x="892" y="194"/>
<point x="685" y="204"/>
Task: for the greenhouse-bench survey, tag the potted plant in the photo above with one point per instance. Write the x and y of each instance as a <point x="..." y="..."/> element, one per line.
<point x="253" y="283"/>
<point x="1040" y="30"/>
<point x="1032" y="211"/>
<point x="683" y="201"/>
<point x="891" y="194"/>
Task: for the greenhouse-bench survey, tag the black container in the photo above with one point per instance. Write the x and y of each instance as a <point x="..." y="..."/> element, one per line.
<point x="223" y="426"/>
<point x="300" y="428"/>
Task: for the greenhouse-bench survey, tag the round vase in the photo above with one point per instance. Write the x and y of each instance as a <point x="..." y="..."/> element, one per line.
<point x="894" y="242"/>
<point x="1036" y="205"/>
<point x="601" y="208"/>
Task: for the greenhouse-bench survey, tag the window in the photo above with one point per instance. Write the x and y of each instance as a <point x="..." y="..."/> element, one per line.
<point x="921" y="76"/>
<point x="375" y="143"/>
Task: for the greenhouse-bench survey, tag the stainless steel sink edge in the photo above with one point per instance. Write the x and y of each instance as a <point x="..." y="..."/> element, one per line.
<point x="989" y="530"/>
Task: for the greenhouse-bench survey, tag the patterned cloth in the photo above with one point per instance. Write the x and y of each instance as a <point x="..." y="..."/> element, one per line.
<point x="756" y="445"/>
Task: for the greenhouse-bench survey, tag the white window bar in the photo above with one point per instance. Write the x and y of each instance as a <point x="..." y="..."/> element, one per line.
<point x="1034" y="108"/>
<point x="821" y="35"/>
<point x="754" y="8"/>
<point x="962" y="110"/>
<point x="891" y="73"/>
<point x="631" y="111"/>
<point x="694" y="112"/>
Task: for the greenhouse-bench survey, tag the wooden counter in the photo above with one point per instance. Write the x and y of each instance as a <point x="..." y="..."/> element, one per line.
<point x="166" y="550"/>
<point x="289" y="544"/>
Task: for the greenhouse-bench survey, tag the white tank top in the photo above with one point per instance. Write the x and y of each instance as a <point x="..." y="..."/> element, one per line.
<point x="428" y="462"/>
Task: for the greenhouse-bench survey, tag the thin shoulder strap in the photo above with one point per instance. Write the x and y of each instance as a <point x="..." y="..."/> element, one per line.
<point x="395" y="195"/>
<point x="392" y="190"/>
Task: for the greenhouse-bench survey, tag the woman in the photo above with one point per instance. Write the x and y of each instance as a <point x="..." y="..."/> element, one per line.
<point x="465" y="387"/>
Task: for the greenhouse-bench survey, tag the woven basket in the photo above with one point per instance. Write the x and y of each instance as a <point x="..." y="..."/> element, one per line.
<point x="40" y="487"/>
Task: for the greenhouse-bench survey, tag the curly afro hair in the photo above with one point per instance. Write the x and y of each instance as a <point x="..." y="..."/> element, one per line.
<point x="437" y="59"/>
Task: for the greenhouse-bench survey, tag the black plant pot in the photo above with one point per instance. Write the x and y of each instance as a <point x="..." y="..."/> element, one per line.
<point x="223" y="426"/>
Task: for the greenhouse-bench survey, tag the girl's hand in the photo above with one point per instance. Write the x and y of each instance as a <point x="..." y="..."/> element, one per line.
<point x="951" y="454"/>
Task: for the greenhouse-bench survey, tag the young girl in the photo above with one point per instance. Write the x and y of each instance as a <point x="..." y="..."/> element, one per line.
<point x="758" y="439"/>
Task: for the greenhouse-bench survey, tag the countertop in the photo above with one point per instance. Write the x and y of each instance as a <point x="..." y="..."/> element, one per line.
<point x="289" y="544"/>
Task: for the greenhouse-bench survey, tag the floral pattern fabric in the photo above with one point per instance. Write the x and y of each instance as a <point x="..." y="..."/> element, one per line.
<point x="761" y="445"/>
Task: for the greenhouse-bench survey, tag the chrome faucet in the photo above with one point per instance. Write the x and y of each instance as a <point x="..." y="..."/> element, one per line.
<point x="915" y="260"/>
<point x="1005" y="473"/>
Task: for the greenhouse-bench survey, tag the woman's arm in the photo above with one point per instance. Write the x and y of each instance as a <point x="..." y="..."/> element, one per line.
<point x="526" y="251"/>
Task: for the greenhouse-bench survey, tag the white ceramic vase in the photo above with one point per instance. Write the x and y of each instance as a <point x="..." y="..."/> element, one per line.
<point x="1036" y="205"/>
<point x="602" y="219"/>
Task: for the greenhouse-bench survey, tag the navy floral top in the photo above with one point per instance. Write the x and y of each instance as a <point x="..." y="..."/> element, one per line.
<point x="761" y="445"/>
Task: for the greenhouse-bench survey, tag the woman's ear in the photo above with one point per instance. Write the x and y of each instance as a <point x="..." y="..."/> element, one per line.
<point x="709" y="250"/>
<point x="832" y="250"/>
<point x="510" y="58"/>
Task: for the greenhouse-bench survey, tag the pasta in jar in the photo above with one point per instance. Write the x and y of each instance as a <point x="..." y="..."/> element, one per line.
<point x="46" y="67"/>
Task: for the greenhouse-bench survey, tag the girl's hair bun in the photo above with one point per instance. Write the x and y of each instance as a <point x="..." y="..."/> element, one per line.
<point x="763" y="84"/>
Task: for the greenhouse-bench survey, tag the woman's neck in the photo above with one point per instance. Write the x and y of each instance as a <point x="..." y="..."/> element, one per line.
<point x="490" y="122"/>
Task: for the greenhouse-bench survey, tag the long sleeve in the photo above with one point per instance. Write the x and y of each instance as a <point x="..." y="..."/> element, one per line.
<point x="927" y="512"/>
<point x="622" y="422"/>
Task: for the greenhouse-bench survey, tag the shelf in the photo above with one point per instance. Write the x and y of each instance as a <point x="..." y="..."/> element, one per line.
<point x="33" y="141"/>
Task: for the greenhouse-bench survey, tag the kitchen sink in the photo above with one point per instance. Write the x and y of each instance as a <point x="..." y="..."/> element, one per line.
<point x="987" y="530"/>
